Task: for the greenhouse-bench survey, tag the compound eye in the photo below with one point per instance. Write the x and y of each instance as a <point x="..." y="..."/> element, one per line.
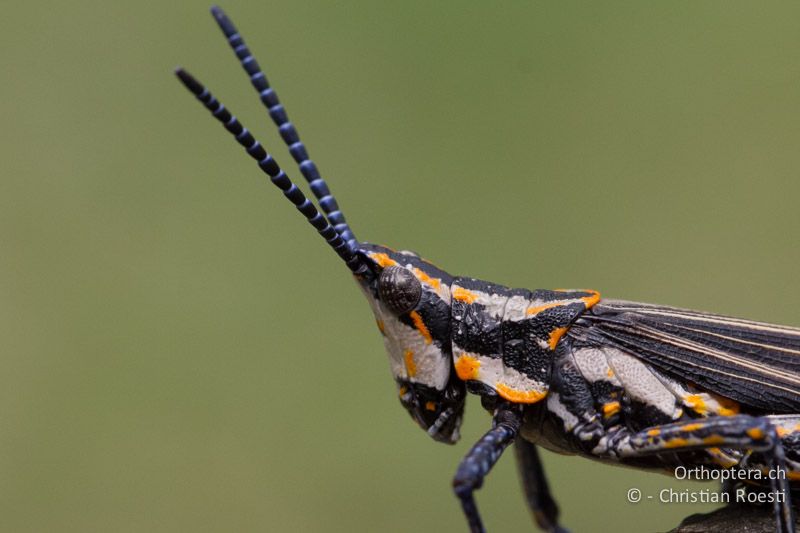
<point x="399" y="289"/>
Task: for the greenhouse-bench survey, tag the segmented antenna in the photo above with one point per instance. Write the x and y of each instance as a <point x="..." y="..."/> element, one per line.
<point x="287" y="130"/>
<point x="271" y="168"/>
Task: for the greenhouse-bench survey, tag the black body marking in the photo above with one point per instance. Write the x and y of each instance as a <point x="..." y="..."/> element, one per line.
<point x="436" y="316"/>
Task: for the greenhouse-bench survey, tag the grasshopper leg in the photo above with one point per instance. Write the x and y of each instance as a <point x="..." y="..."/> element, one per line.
<point x="534" y="484"/>
<point x="740" y="431"/>
<point x="481" y="458"/>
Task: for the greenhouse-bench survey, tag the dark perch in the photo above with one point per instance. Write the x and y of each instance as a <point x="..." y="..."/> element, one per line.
<point x="731" y="518"/>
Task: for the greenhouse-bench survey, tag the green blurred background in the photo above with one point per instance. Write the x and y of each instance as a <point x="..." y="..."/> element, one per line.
<point x="180" y="352"/>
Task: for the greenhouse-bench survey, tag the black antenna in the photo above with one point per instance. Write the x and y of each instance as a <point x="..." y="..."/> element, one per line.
<point x="287" y="130"/>
<point x="265" y="161"/>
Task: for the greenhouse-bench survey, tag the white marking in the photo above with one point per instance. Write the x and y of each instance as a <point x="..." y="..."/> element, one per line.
<point x="516" y="308"/>
<point x="555" y="406"/>
<point x="432" y="365"/>
<point x="594" y="367"/>
<point x="500" y="306"/>
<point x="494" y="304"/>
<point x="493" y="372"/>
<point x="513" y="308"/>
<point x="640" y="383"/>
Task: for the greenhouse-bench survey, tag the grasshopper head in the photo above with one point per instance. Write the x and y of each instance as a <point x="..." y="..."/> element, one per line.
<point x="411" y="301"/>
<point x="410" y="297"/>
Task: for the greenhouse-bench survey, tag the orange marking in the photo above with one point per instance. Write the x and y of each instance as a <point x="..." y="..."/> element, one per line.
<point x="422" y="276"/>
<point x="381" y="325"/>
<point x="696" y="403"/>
<point x="539" y="308"/>
<point x="421" y="327"/>
<point x="755" y="433"/>
<point x="714" y="439"/>
<point x="727" y="407"/>
<point x="430" y="406"/>
<point x="676" y="443"/>
<point x="610" y="373"/>
<point x="610" y="409"/>
<point x="589" y="301"/>
<point x="794" y="476"/>
<point x="692" y="427"/>
<point x="782" y="431"/>
<point x="382" y="259"/>
<point x="403" y="390"/>
<point x="467" y="368"/>
<point x="654" y="432"/>
<point x="720" y="458"/>
<point x="555" y="336"/>
<point x="411" y="366"/>
<point x="518" y="396"/>
<point x="463" y="295"/>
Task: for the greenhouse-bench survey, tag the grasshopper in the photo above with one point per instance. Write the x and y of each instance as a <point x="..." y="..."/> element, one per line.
<point x="626" y="383"/>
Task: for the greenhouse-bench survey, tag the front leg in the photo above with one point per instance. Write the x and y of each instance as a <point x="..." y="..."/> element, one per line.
<point x="537" y="491"/>
<point x="481" y="458"/>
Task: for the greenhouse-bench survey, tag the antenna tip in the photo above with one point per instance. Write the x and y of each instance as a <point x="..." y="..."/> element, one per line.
<point x="182" y="74"/>
<point x="223" y="21"/>
<point x="188" y="80"/>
